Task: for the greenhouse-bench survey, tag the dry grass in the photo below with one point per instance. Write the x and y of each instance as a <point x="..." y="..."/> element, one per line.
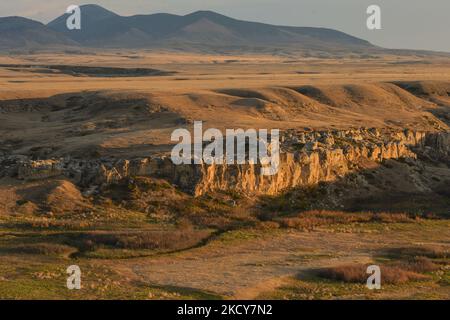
<point x="410" y="266"/>
<point x="433" y="252"/>
<point x="356" y="273"/>
<point x="42" y="249"/>
<point x="311" y="219"/>
<point x="418" y="264"/>
<point x="46" y="223"/>
<point x="154" y="240"/>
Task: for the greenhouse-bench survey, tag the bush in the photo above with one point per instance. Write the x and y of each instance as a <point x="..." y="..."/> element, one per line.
<point x="314" y="218"/>
<point x="163" y="240"/>
<point x="349" y="273"/>
<point x="293" y="200"/>
<point x="356" y="273"/>
<point x="397" y="275"/>
<point x="432" y="252"/>
<point x="418" y="264"/>
<point x="42" y="249"/>
<point x="45" y="223"/>
<point x="268" y="225"/>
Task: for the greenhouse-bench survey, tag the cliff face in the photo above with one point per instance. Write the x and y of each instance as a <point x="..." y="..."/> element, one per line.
<point x="307" y="158"/>
<point x="323" y="157"/>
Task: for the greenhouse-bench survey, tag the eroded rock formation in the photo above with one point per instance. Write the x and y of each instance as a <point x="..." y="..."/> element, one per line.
<point x="307" y="158"/>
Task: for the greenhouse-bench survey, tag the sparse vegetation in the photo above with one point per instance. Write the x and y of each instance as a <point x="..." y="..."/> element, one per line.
<point x="433" y="252"/>
<point x="309" y="220"/>
<point x="154" y="240"/>
<point x="407" y="264"/>
<point x="137" y="236"/>
<point x="357" y="274"/>
<point x="40" y="249"/>
<point x="293" y="200"/>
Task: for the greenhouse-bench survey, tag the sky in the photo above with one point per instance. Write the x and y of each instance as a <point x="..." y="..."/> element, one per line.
<point x="406" y="24"/>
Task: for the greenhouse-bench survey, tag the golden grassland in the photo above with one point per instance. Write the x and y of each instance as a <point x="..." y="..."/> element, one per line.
<point x="157" y="242"/>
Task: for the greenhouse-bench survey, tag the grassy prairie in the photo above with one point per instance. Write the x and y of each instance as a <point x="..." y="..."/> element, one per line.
<point x="147" y="239"/>
<point x="259" y="262"/>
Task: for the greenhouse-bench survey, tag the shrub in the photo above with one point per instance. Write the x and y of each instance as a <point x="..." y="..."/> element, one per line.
<point x="268" y="225"/>
<point x="419" y="265"/>
<point x="315" y="218"/>
<point x="432" y="252"/>
<point x="42" y="249"/>
<point x="293" y="200"/>
<point x="45" y="223"/>
<point x="348" y="273"/>
<point x="156" y="240"/>
<point x="356" y="273"/>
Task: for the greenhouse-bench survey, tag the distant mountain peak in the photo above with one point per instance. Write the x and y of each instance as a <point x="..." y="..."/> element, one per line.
<point x="97" y="10"/>
<point x="15" y="21"/>
<point x="89" y="12"/>
<point x="206" y="14"/>
<point x="202" y="30"/>
<point x="23" y="33"/>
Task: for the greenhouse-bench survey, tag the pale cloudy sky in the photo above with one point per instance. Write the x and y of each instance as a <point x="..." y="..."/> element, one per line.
<point x="414" y="24"/>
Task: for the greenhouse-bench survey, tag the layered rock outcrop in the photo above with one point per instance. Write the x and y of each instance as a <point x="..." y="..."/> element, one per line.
<point x="307" y="158"/>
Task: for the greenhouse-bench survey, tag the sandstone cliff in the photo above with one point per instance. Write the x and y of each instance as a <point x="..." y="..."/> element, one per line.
<point x="307" y="158"/>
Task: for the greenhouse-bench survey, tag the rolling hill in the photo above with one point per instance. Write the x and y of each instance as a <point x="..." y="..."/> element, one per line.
<point x="18" y="32"/>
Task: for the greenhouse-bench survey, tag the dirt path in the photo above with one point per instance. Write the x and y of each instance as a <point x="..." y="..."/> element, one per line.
<point x="244" y="269"/>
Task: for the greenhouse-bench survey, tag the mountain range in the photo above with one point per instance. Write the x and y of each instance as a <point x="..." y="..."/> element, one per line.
<point x="18" y="32"/>
<point x="198" y="31"/>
